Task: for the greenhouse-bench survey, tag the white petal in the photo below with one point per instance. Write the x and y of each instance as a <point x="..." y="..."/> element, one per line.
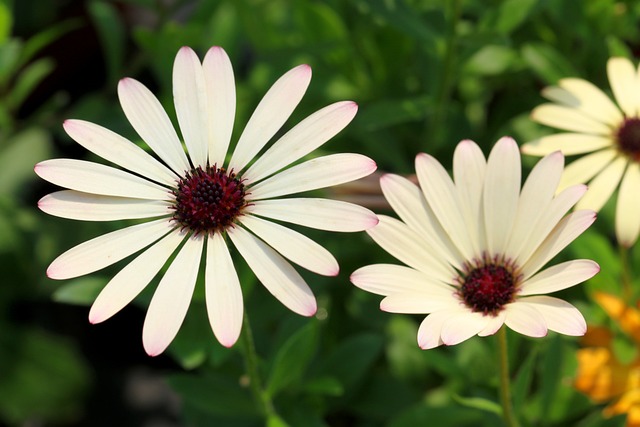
<point x="568" y="143"/>
<point x="525" y="320"/>
<point x="583" y="169"/>
<point x="148" y="118"/>
<point x="501" y="194"/>
<point x="567" y="118"/>
<point x="462" y="326"/>
<point x="132" y="279"/>
<point x="409" y="203"/>
<point x="308" y="135"/>
<point x="493" y="325"/>
<point x="269" y="116"/>
<point x="114" y="148"/>
<point x="293" y="245"/>
<point x="560" y="276"/>
<point x="221" y="96"/>
<point x="107" y="249"/>
<point x="171" y="299"/>
<point x="535" y="198"/>
<point x="313" y="174"/>
<point x="429" y="300"/>
<point x="602" y="186"/>
<point x="628" y="208"/>
<point x="469" y="169"/>
<point x="624" y="84"/>
<point x="387" y="279"/>
<point x="275" y="273"/>
<point x="189" y="97"/>
<point x="323" y="214"/>
<point x="95" y="178"/>
<point x="223" y="292"/>
<point x="559" y="315"/>
<point x="431" y="327"/>
<point x="400" y="241"/>
<point x="90" y="207"/>
<point x="592" y="101"/>
<point x="441" y="194"/>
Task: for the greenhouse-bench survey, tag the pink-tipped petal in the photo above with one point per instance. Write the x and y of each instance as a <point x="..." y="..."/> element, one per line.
<point x="559" y="315"/>
<point x="462" y="326"/>
<point x="525" y="320"/>
<point x="429" y="332"/>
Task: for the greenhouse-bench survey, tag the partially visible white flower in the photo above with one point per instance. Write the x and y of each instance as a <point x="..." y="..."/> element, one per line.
<point x="609" y="132"/>
<point x="198" y="201"/>
<point x="474" y="247"/>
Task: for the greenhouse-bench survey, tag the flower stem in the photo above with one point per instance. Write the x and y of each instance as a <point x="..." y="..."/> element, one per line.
<point x="505" y="382"/>
<point x="627" y="292"/>
<point x="248" y="350"/>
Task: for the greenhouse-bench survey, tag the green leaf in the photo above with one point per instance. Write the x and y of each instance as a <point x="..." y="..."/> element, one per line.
<point x="18" y="158"/>
<point x="491" y="60"/>
<point x="82" y="291"/>
<point x="552" y="366"/>
<point x="404" y="18"/>
<point x="276" y="421"/>
<point x="390" y="112"/>
<point x="292" y="359"/>
<point x="111" y="33"/>
<point x="512" y="13"/>
<point x="522" y="382"/>
<point x="6" y="21"/>
<point x="45" y="38"/>
<point x="594" y="245"/>
<point x="195" y="339"/>
<point x="549" y="64"/>
<point x="327" y="386"/>
<point x="479" y="403"/>
<point x="27" y="80"/>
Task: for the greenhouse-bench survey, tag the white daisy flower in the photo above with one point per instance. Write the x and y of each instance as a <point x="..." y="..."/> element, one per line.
<point x="609" y="132"/>
<point x="474" y="247"/>
<point x="198" y="201"/>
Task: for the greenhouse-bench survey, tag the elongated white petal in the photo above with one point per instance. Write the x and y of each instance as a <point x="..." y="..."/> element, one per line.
<point x="269" y="116"/>
<point x="388" y="279"/>
<point x="223" y="292"/>
<point x="493" y="324"/>
<point x="624" y="84"/>
<point x="132" y="279"/>
<point x="313" y="174"/>
<point x="95" y="178"/>
<point x="525" y="320"/>
<point x="323" y="214"/>
<point x="305" y="137"/>
<point x="293" y="245"/>
<point x="560" y="276"/>
<point x="400" y="241"/>
<point x="535" y="198"/>
<point x="462" y="326"/>
<point x="570" y="227"/>
<point x="570" y="119"/>
<point x="559" y="315"/>
<point x="469" y="169"/>
<point x="501" y="193"/>
<point x="628" y="208"/>
<point x="221" y="107"/>
<point x="431" y="327"/>
<point x="592" y="101"/>
<point x="409" y="203"/>
<point x="114" y="148"/>
<point x="148" y="118"/>
<point x="275" y="273"/>
<point x="583" y="169"/>
<point x="603" y="185"/>
<point x="90" y="207"/>
<point x="441" y="195"/>
<point x="568" y="143"/>
<point x="107" y="249"/>
<point x="170" y="302"/>
<point x="428" y="301"/>
<point x="189" y="97"/>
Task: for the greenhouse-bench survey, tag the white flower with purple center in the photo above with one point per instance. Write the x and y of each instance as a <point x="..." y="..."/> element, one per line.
<point x="475" y="247"/>
<point x="200" y="201"/>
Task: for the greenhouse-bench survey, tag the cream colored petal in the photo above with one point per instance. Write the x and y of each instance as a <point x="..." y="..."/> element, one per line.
<point x="525" y="320"/>
<point x="559" y="277"/>
<point x="592" y="101"/>
<point x="462" y="326"/>
<point x="388" y="279"/>
<point x="570" y="119"/>
<point x="170" y="302"/>
<point x="583" y="169"/>
<point x="493" y="324"/>
<point x="569" y="143"/>
<point x="431" y="327"/>
<point x="428" y="300"/>
<point x="624" y="84"/>
<point x="628" y="207"/>
<point x="603" y="185"/>
<point x="559" y="315"/>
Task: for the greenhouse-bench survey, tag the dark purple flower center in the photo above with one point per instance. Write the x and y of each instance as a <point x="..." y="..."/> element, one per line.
<point x="628" y="137"/>
<point x="208" y="200"/>
<point x="486" y="289"/>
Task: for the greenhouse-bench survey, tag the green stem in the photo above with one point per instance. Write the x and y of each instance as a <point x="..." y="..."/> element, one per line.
<point x="248" y="350"/>
<point x="627" y="290"/>
<point x="505" y="382"/>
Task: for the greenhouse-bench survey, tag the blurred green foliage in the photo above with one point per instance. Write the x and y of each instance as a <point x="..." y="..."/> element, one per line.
<point x="426" y="74"/>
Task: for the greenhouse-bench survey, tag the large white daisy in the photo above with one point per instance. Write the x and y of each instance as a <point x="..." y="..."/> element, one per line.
<point x="609" y="132"/>
<point x="200" y="199"/>
<point x="475" y="246"/>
